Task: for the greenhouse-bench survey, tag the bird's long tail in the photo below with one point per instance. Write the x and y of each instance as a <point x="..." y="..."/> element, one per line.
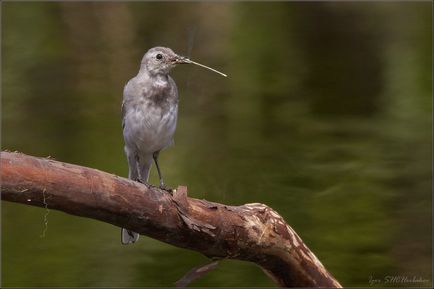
<point x="127" y="236"/>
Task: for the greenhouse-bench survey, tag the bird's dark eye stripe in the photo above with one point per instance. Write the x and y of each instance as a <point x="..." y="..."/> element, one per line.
<point x="159" y="56"/>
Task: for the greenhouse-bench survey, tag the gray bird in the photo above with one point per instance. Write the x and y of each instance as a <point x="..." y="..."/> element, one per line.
<point x="149" y="115"/>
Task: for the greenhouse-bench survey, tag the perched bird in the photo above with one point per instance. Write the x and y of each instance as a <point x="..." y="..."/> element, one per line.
<point x="149" y="115"/>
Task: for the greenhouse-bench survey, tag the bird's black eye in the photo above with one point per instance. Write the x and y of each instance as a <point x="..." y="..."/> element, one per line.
<point x="159" y="56"/>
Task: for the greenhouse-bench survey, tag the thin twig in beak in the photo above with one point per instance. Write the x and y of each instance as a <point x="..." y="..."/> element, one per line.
<point x="188" y="61"/>
<point x="204" y="66"/>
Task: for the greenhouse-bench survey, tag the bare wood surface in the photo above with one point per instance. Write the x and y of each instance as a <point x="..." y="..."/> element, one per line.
<point x="251" y="232"/>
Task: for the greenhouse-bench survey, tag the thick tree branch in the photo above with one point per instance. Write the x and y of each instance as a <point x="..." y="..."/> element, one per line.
<point x="251" y="232"/>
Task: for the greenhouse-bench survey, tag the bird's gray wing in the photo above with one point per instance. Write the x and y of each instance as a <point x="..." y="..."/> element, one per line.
<point x="123" y="114"/>
<point x="126" y="99"/>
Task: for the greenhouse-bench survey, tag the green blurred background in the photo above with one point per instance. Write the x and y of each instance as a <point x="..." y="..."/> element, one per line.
<point x="325" y="116"/>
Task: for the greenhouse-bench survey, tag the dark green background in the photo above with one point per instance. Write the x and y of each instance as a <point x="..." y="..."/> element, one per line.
<point x="325" y="116"/>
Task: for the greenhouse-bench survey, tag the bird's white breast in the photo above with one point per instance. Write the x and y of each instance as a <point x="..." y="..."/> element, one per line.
<point x="150" y="113"/>
<point x="150" y="128"/>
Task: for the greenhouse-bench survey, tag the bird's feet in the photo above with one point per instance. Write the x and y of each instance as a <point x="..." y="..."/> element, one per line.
<point x="162" y="186"/>
<point x="165" y="188"/>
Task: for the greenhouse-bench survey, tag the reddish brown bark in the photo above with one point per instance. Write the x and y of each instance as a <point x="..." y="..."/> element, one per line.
<point x="251" y="232"/>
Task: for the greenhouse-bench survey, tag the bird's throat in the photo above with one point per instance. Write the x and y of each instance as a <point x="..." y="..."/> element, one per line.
<point x="160" y="80"/>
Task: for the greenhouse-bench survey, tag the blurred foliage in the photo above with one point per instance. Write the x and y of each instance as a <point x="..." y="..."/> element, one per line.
<point x="325" y="116"/>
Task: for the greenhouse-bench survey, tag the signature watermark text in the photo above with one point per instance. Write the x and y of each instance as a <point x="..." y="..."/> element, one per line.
<point x="396" y="279"/>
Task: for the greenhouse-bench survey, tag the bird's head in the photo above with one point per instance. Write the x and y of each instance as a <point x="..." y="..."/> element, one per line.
<point x="160" y="60"/>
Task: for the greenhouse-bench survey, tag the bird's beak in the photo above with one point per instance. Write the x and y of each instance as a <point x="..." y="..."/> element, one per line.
<point x="184" y="60"/>
<point x="181" y="60"/>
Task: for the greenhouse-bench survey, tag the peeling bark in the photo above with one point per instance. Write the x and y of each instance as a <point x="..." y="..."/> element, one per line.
<point x="251" y="232"/>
